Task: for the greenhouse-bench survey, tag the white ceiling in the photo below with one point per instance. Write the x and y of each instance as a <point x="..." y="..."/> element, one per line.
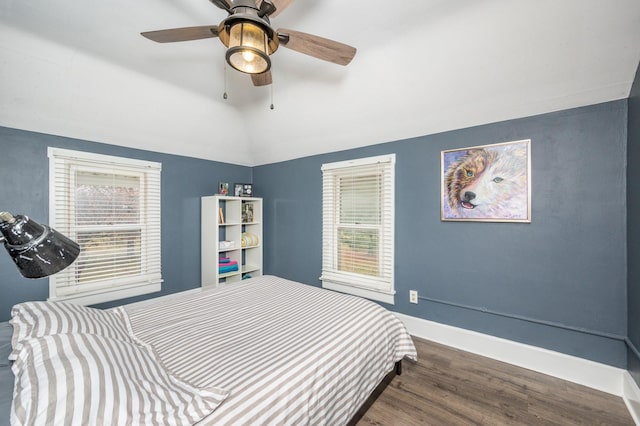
<point x="81" y="69"/>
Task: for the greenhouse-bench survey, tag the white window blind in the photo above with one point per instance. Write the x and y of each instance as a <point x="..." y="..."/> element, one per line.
<point x="358" y="227"/>
<point x="111" y="207"/>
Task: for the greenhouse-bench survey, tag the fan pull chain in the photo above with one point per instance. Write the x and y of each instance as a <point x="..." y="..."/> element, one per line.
<point x="272" y="107"/>
<point x="224" y="95"/>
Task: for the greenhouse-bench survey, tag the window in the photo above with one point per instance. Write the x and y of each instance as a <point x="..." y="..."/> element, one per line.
<point x="357" y="227"/>
<point x="111" y="207"/>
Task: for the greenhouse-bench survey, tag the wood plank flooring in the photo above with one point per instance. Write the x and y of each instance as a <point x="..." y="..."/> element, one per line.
<point x="448" y="386"/>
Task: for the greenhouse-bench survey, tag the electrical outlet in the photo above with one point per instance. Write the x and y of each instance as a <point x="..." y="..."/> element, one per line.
<point x="413" y="296"/>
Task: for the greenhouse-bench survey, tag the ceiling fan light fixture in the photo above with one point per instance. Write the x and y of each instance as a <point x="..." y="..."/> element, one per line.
<point x="248" y="50"/>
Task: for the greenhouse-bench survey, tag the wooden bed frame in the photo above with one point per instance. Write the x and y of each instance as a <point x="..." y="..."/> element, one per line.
<point x="376" y="393"/>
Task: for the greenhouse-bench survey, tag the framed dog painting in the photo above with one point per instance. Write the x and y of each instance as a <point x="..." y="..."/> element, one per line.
<point x="488" y="183"/>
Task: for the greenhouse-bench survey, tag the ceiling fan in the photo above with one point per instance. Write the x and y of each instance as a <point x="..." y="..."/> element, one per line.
<point x="250" y="39"/>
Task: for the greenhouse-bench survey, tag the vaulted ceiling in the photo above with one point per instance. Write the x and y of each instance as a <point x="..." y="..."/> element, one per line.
<point x="81" y="69"/>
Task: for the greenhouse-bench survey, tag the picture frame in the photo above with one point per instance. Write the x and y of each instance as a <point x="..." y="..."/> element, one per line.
<point x="237" y="189"/>
<point x="486" y="183"/>
<point x="247" y="212"/>
<point x="247" y="190"/>
<point x="223" y="188"/>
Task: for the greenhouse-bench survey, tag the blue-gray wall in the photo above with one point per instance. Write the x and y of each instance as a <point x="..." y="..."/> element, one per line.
<point x="24" y="170"/>
<point x="559" y="282"/>
<point x="564" y="275"/>
<point x="633" y="229"/>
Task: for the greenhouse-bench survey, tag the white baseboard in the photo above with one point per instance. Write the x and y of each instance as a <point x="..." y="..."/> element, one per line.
<point x="574" y="369"/>
<point x="631" y="396"/>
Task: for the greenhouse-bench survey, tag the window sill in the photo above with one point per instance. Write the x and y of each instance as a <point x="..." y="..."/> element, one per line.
<point x="362" y="292"/>
<point x="108" y="295"/>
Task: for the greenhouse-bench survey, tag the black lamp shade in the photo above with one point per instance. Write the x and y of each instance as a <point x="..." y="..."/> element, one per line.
<point x="37" y="250"/>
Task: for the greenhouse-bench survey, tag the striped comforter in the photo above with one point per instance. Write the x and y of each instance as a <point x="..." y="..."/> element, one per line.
<point x="288" y="353"/>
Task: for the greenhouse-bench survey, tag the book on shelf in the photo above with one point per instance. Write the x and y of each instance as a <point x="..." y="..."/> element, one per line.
<point x="220" y="216"/>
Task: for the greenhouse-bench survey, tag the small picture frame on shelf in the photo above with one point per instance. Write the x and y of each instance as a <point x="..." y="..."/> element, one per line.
<point x="247" y="212"/>
<point x="237" y="189"/>
<point x="223" y="188"/>
<point x="243" y="190"/>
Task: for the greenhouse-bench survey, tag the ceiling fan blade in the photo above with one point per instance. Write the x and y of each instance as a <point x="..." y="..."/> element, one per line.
<point x="263" y="79"/>
<point x="222" y="4"/>
<point x="279" y="4"/>
<point x="318" y="47"/>
<point x="182" y="34"/>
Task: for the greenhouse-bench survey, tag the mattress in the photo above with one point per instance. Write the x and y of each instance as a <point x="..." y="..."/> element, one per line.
<point x="6" y="377"/>
<point x="287" y="353"/>
<point x="265" y="351"/>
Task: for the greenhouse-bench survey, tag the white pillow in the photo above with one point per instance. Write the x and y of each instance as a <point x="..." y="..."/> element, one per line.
<point x="83" y="379"/>
<point x="36" y="319"/>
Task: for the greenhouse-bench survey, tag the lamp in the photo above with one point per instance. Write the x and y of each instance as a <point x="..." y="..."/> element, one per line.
<point x="248" y="48"/>
<point x="37" y="250"/>
<point x="249" y="38"/>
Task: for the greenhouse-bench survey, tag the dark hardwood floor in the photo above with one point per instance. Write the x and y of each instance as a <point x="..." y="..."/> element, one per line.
<point x="451" y="387"/>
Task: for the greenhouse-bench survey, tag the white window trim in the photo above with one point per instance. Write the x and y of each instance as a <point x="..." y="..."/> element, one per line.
<point x="117" y="288"/>
<point x="380" y="296"/>
<point x="351" y="283"/>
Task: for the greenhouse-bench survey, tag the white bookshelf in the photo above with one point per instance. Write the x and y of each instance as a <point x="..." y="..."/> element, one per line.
<point x="242" y="220"/>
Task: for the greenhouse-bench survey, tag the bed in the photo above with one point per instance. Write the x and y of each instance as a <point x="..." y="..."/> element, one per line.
<point x="264" y="351"/>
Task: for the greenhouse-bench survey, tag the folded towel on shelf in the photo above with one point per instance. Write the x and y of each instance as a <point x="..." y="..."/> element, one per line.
<point x="225" y="269"/>
<point x="224" y="245"/>
<point x="228" y="263"/>
<point x="249" y="239"/>
<point x="224" y="260"/>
